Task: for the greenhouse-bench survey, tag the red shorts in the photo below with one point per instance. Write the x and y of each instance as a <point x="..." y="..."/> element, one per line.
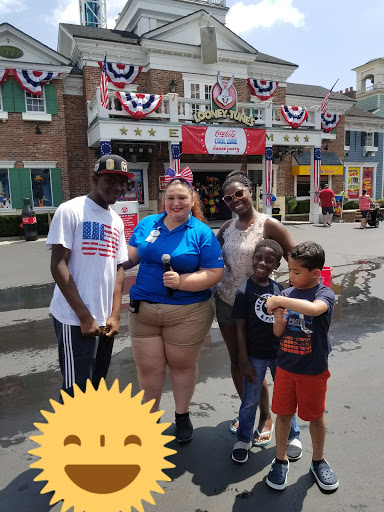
<point x="306" y="393"/>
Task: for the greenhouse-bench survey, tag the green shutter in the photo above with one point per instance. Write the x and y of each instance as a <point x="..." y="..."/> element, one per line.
<point x="18" y="98"/>
<point x="14" y="185"/>
<point x="7" y="97"/>
<point x="25" y="185"/>
<point x="50" y="98"/>
<point x="57" y="189"/>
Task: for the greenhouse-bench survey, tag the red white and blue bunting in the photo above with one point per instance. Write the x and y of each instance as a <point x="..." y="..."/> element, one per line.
<point x="121" y="74"/>
<point x="263" y="89"/>
<point x="32" y="81"/>
<point x="329" y="121"/>
<point x="138" y="104"/>
<point x="295" y="116"/>
<point x="3" y="74"/>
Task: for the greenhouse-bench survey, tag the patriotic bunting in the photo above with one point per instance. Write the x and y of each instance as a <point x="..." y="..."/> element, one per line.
<point x="294" y="116"/>
<point x="329" y="121"/>
<point x="104" y="99"/>
<point x="175" y="152"/>
<point x="316" y="173"/>
<point x="121" y="74"/>
<point x="137" y="104"/>
<point x="263" y="89"/>
<point x="32" y="81"/>
<point x="3" y="74"/>
<point x="268" y="175"/>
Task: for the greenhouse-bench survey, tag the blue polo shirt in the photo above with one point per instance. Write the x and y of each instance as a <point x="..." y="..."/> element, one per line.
<point x="192" y="246"/>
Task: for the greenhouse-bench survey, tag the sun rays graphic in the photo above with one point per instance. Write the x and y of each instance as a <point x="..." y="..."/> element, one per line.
<point x="102" y="451"/>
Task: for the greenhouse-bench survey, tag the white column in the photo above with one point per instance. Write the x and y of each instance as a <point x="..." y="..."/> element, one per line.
<point x="264" y="198"/>
<point x="313" y="207"/>
<point x="173" y="107"/>
<point x="266" y="209"/>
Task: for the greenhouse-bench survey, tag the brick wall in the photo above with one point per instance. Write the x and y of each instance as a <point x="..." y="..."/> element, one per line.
<point x="18" y="140"/>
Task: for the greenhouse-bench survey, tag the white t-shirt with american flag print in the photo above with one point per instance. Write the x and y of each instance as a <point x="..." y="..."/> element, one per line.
<point x="96" y="239"/>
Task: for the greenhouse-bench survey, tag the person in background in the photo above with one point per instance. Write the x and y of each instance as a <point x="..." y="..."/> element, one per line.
<point x="171" y="311"/>
<point x="365" y="202"/>
<point x="238" y="238"/>
<point x="327" y="203"/>
<point x="88" y="249"/>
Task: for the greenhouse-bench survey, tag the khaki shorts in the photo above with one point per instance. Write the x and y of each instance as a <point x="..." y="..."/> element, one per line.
<point x="180" y="325"/>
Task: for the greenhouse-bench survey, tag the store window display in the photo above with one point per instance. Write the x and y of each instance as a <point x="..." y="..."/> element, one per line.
<point x="41" y="188"/>
<point x="5" y="198"/>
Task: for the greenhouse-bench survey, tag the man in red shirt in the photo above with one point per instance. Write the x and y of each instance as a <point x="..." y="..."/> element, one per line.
<point x="327" y="202"/>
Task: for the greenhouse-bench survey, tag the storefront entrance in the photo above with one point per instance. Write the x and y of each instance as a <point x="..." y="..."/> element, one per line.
<point x="209" y="186"/>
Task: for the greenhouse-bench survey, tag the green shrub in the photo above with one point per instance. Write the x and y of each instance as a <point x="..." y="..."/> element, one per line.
<point x="381" y="202"/>
<point x="351" y="204"/>
<point x="290" y="203"/>
<point x="302" y="206"/>
<point x="10" y="225"/>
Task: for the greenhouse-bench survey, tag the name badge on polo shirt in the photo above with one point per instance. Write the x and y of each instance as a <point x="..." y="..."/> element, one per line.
<point x="153" y="236"/>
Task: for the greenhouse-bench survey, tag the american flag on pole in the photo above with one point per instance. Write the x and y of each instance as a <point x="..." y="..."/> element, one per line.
<point x="324" y="105"/>
<point x="175" y="151"/>
<point x="268" y="175"/>
<point x="104" y="85"/>
<point x="316" y="173"/>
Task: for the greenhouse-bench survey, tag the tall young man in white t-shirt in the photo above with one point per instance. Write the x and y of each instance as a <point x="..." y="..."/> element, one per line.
<point x="88" y="249"/>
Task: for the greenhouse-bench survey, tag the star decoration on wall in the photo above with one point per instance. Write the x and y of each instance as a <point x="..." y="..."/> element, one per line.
<point x="152" y="132"/>
<point x="286" y="138"/>
<point x="306" y="138"/>
<point x="297" y="138"/>
<point x="123" y="130"/>
<point x="138" y="131"/>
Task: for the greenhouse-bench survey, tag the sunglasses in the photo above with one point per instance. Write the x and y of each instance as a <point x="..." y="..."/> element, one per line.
<point x="239" y="194"/>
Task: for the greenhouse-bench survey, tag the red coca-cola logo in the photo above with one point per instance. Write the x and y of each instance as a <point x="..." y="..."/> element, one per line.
<point x="124" y="209"/>
<point x="225" y="133"/>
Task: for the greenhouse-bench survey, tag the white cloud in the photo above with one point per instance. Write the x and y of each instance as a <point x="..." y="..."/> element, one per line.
<point x="243" y="18"/>
<point x="12" y="6"/>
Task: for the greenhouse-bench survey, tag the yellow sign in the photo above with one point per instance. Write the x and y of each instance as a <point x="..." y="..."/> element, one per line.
<point x="305" y="170"/>
<point x="220" y="113"/>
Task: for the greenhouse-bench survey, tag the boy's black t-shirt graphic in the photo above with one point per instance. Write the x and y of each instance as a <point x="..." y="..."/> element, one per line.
<point x="261" y="342"/>
<point x="304" y="345"/>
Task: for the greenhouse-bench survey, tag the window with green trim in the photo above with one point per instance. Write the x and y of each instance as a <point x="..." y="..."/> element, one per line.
<point x="34" y="102"/>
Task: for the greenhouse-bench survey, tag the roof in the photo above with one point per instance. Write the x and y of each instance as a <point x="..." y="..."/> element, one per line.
<point x="102" y="34"/>
<point x="327" y="158"/>
<point x="315" y="91"/>
<point x="263" y="57"/>
<point x="359" y="112"/>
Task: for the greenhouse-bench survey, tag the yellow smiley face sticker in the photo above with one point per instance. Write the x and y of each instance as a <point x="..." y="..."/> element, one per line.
<point x="102" y="451"/>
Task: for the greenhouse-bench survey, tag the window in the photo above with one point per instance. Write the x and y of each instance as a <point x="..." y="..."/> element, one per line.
<point x="5" y="196"/>
<point x="347" y="138"/>
<point x="35" y="103"/>
<point x="41" y="187"/>
<point x="199" y="90"/>
<point x="303" y="185"/>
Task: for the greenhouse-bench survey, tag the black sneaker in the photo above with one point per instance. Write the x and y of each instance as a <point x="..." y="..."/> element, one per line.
<point x="184" y="428"/>
<point x="325" y="477"/>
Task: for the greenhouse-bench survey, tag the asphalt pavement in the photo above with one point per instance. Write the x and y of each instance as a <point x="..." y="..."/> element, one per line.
<point x="205" y="478"/>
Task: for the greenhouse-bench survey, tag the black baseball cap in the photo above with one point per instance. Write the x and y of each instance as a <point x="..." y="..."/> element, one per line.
<point x="114" y="164"/>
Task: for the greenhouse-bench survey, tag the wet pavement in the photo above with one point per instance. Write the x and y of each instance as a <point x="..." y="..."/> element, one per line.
<point x="205" y="479"/>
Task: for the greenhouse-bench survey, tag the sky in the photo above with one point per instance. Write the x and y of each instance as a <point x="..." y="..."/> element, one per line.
<point x="325" y="38"/>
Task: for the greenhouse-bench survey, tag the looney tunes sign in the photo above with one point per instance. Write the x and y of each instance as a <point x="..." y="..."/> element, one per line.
<point x="224" y="94"/>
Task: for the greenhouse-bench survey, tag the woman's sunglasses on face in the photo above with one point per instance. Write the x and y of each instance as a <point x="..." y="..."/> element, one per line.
<point x="229" y="197"/>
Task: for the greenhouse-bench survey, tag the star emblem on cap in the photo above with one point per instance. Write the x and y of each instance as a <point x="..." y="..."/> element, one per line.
<point x="286" y="138"/>
<point x="152" y="132"/>
<point x="123" y="130"/>
<point x="138" y="131"/>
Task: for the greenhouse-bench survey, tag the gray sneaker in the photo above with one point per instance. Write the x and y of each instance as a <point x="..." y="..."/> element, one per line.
<point x="277" y="476"/>
<point x="294" y="449"/>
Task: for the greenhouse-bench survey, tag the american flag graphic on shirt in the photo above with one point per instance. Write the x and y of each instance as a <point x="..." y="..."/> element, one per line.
<point x="100" y="239"/>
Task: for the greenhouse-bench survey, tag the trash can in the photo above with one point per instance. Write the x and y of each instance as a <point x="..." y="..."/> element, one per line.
<point x="276" y="213"/>
<point x="29" y="223"/>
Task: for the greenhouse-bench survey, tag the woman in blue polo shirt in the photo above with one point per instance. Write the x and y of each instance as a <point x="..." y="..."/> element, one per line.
<point x="169" y="328"/>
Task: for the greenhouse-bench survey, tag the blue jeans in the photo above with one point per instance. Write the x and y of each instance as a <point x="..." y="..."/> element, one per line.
<point x="251" y="397"/>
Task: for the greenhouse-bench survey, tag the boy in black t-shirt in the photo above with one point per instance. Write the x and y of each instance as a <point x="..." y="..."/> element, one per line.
<point x="302" y="317"/>
<point x="256" y="342"/>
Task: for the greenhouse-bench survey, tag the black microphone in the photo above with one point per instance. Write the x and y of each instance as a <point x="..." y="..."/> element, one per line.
<point x="166" y="259"/>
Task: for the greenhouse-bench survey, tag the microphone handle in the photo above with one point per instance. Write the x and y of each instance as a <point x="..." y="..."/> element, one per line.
<point x="167" y="268"/>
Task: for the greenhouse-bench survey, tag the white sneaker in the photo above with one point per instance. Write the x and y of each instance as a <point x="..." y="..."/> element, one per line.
<point x="294" y="449"/>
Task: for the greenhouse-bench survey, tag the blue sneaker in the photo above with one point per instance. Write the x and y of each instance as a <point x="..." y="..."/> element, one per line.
<point x="325" y="477"/>
<point x="277" y="476"/>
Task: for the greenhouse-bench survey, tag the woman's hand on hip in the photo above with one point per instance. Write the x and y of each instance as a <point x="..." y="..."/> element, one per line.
<point x="171" y="279"/>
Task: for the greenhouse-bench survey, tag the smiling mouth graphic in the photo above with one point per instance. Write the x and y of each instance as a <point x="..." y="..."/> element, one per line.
<point x="102" y="478"/>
